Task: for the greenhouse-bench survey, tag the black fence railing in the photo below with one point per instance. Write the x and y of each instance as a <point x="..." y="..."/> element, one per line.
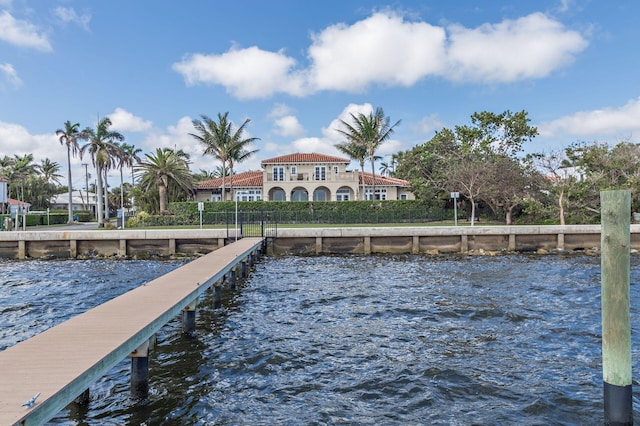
<point x="251" y="224"/>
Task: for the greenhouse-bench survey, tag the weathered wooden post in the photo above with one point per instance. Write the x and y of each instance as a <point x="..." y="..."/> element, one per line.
<point x="615" y="207"/>
<point x="189" y="318"/>
<point x="140" y="372"/>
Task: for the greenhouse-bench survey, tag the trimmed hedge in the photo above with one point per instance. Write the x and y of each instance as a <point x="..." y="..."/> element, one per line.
<point x="336" y="212"/>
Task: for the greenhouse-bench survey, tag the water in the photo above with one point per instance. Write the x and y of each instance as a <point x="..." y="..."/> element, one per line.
<point x="350" y="340"/>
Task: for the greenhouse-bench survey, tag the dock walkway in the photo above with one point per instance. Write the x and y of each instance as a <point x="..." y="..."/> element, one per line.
<point x="62" y="362"/>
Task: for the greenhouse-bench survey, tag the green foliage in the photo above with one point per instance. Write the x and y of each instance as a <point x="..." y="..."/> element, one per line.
<point x="408" y="211"/>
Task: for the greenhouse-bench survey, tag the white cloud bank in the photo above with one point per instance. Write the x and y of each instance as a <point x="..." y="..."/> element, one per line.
<point x="124" y="121"/>
<point x="22" y="33"/>
<point x="68" y="15"/>
<point x="618" y="122"/>
<point x="386" y="49"/>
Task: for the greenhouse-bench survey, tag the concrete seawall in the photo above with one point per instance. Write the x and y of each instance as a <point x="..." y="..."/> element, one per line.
<point x="306" y="241"/>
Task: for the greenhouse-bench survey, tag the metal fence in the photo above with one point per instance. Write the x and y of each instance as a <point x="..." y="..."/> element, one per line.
<point x="250" y="224"/>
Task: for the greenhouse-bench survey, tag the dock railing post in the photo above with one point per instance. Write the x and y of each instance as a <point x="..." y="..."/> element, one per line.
<point x="615" y="207"/>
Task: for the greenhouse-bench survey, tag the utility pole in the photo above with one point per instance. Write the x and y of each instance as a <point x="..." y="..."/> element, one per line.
<point x="86" y="178"/>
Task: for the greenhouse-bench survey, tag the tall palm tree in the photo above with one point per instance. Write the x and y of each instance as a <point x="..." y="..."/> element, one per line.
<point x="369" y="131"/>
<point x="222" y="142"/>
<point x="159" y="170"/>
<point x="49" y="171"/>
<point x="129" y="156"/>
<point x="355" y="152"/>
<point x="21" y="170"/>
<point x="69" y="136"/>
<point x="101" y="146"/>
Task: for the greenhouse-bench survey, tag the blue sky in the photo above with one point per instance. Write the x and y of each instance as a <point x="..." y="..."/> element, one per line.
<point x="294" y="68"/>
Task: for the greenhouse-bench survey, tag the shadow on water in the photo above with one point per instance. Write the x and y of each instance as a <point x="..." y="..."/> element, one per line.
<point x="370" y="340"/>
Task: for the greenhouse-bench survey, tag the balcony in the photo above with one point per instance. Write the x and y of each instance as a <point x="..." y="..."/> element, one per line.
<point x="346" y="177"/>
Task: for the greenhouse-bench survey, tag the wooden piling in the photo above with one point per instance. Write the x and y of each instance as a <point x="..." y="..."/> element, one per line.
<point x="615" y="207"/>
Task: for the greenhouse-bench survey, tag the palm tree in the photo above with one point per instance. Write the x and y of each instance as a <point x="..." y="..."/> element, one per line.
<point x="21" y="170"/>
<point x="101" y="146"/>
<point x="369" y="132"/>
<point x="162" y="169"/>
<point x="221" y="142"/>
<point x="49" y="170"/>
<point x="69" y="136"/>
<point x="128" y="155"/>
<point x="355" y="152"/>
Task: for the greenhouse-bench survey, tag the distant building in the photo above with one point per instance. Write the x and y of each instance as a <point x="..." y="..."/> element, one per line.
<point x="80" y="200"/>
<point x="16" y="206"/>
<point x="302" y="177"/>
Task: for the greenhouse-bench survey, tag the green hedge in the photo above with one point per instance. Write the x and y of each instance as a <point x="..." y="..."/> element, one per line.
<point x="336" y="212"/>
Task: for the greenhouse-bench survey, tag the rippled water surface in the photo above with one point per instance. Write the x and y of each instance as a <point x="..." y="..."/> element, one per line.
<point x="349" y="340"/>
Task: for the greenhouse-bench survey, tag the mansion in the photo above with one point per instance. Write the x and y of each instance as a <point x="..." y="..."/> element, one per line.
<point x="303" y="177"/>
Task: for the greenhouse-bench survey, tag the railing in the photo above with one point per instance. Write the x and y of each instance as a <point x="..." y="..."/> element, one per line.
<point x="252" y="224"/>
<point x="310" y="177"/>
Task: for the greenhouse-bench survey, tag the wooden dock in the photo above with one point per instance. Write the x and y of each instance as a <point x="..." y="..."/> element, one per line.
<point x="64" y="361"/>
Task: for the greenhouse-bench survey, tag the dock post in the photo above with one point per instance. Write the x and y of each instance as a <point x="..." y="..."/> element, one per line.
<point x="616" y="324"/>
<point x="232" y="278"/>
<point x="83" y="398"/>
<point x="217" y="296"/>
<point x="189" y="318"/>
<point x="140" y="372"/>
<point x="243" y="269"/>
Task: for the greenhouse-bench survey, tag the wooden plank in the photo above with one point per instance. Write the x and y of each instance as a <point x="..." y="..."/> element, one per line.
<point x="63" y="361"/>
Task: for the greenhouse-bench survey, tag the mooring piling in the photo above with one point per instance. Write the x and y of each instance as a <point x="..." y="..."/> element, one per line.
<point x="616" y="324"/>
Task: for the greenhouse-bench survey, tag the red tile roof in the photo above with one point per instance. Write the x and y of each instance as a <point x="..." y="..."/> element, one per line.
<point x="299" y="158"/>
<point x="382" y="180"/>
<point x="245" y="179"/>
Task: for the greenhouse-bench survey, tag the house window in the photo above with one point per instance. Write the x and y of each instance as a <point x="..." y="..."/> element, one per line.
<point x="278" y="173"/>
<point x="320" y="194"/>
<point x="381" y="194"/>
<point x="278" y="195"/>
<point x="342" y="195"/>
<point x="320" y="173"/>
<point x="294" y="170"/>
<point x="299" y="195"/>
<point x="249" y="195"/>
<point x="403" y="196"/>
<point x="335" y="170"/>
<point x="216" y="197"/>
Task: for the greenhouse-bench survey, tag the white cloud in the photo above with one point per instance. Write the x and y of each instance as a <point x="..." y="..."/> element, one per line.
<point x="289" y="126"/>
<point x="22" y="33"/>
<point x="124" y="121"/>
<point x="428" y="125"/>
<point x="246" y="73"/>
<point x="387" y="49"/>
<point x="619" y="122"/>
<point x="529" y="47"/>
<point x="68" y="15"/>
<point x="383" y="48"/>
<point x="10" y="75"/>
<point x="16" y="140"/>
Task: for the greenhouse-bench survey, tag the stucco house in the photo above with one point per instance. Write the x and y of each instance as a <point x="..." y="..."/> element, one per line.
<point x="302" y="177"/>
<point x="80" y="200"/>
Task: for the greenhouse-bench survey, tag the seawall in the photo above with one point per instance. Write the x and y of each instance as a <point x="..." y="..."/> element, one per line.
<point x="307" y="241"/>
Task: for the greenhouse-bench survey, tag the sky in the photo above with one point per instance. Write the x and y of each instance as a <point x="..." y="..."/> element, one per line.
<point x="296" y="68"/>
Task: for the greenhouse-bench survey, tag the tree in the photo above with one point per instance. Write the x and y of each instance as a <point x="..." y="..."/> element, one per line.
<point x="160" y="170"/>
<point x="69" y="136"/>
<point x="476" y="160"/>
<point x="358" y="153"/>
<point x="101" y="145"/>
<point x="49" y="170"/>
<point x="596" y="167"/>
<point x="369" y="132"/>
<point x="222" y="142"/>
<point x="128" y="157"/>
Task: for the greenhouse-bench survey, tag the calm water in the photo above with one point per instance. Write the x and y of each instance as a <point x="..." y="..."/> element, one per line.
<point x="349" y="340"/>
